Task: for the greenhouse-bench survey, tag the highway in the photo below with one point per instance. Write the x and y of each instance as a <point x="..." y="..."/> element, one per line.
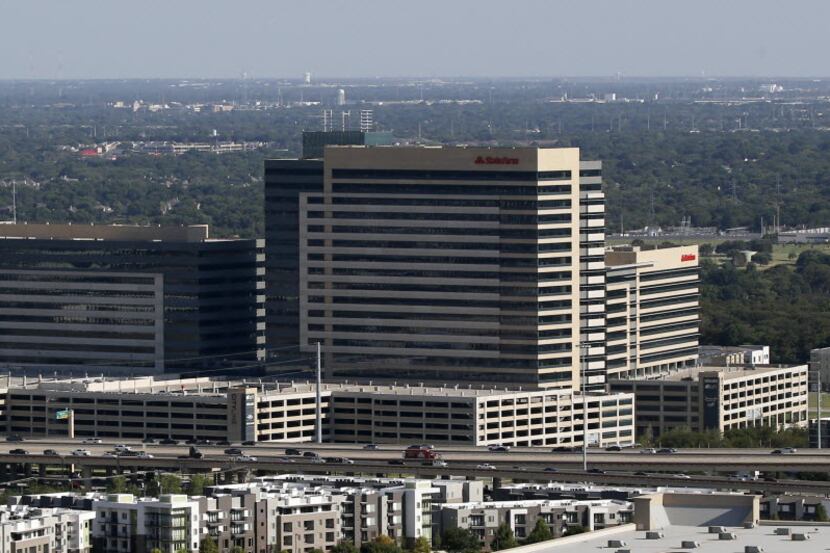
<point x="626" y="468"/>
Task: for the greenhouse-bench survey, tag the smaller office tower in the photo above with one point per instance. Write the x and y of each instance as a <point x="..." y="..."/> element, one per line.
<point x="652" y="310"/>
<point x="128" y="299"/>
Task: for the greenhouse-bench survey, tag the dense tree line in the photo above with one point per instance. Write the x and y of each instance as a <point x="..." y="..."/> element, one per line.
<point x="784" y="307"/>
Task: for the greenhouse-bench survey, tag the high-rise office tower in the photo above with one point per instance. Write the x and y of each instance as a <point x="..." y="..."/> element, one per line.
<point x="431" y="264"/>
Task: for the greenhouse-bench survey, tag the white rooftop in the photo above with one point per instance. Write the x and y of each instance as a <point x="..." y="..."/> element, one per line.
<point x="673" y="536"/>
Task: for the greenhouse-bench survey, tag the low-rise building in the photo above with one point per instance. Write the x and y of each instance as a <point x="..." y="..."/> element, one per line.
<point x="727" y="356"/>
<point x="127" y="524"/>
<point x="794" y="507"/>
<point x="240" y="410"/>
<point x="483" y="518"/>
<point x="720" y="398"/>
<point x="29" y="529"/>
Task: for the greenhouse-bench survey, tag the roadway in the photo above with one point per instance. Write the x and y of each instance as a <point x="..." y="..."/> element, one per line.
<point x="626" y="468"/>
<point x="716" y="460"/>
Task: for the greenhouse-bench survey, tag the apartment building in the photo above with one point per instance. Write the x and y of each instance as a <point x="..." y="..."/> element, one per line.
<point x="260" y="410"/>
<point x="652" y="310"/>
<point x="126" y="524"/>
<point x="720" y="398"/>
<point x="36" y="530"/>
<point x="127" y="299"/>
<point x="483" y="518"/>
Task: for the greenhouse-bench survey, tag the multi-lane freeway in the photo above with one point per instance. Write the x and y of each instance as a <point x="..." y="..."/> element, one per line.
<point x="628" y="467"/>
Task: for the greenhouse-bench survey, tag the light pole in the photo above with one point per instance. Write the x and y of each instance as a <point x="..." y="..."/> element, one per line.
<point x="818" y="409"/>
<point x="319" y="410"/>
<point x="584" y="380"/>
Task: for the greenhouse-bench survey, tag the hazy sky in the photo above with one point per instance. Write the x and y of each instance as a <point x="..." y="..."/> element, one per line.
<point x="367" y="38"/>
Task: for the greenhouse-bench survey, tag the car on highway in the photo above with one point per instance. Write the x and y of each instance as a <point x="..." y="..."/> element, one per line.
<point x="148" y="441"/>
<point x="421" y="446"/>
<point x="292" y="451"/>
<point x="144" y="455"/>
<point x="92" y="441"/>
<point x="249" y="443"/>
<point x="14" y="438"/>
<point x="396" y="462"/>
<point x="666" y="450"/>
<point x="784" y="451"/>
<point x="223" y="443"/>
<point x="681" y="475"/>
<point x="311" y="454"/>
<point x="614" y="448"/>
<point x="596" y="471"/>
<point x="51" y="452"/>
<point x="551" y="469"/>
<point x="641" y="473"/>
<point x="205" y="442"/>
<point x="18" y="451"/>
<point x="120" y="448"/>
<point x="286" y="460"/>
<point x="169" y="441"/>
<point x="648" y="450"/>
<point x="371" y="447"/>
<point x="81" y="452"/>
<point x="109" y="454"/>
<point x="435" y="463"/>
<point x="499" y="448"/>
<point x="770" y="479"/>
<point x="564" y="449"/>
<point x="245" y="458"/>
<point x="339" y="460"/>
<point x="486" y="466"/>
<point x="234" y="451"/>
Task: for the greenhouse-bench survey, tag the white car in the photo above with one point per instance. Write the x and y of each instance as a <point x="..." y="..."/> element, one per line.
<point x="648" y="450"/>
<point x="144" y="455"/>
<point x="81" y="453"/>
<point x="681" y="475"/>
<point x="109" y="454"/>
<point x="122" y="447"/>
<point x="92" y="441"/>
<point x="486" y="466"/>
<point x="499" y="448"/>
<point x="245" y="458"/>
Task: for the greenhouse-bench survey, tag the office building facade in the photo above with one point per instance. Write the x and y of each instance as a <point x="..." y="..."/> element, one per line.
<point x="652" y="310"/>
<point x="440" y="263"/>
<point x="125" y="299"/>
<point x="719" y="398"/>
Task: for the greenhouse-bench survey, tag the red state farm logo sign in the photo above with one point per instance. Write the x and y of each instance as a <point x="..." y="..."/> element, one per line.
<point x="688" y="257"/>
<point x="487" y="160"/>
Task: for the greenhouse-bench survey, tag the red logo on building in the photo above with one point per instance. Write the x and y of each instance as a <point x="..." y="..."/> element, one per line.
<point x="688" y="257"/>
<point x="482" y="160"/>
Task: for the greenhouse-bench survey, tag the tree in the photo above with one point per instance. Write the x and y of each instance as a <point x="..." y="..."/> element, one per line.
<point x="155" y="550"/>
<point x="344" y="546"/>
<point x="460" y="540"/>
<point x="706" y="250"/>
<point x="762" y="258"/>
<point x="197" y="484"/>
<point x="540" y="532"/>
<point x="117" y="484"/>
<point x="381" y="544"/>
<point x="421" y="545"/>
<point x="169" y="483"/>
<point x="237" y="549"/>
<point x="573" y="530"/>
<point x="821" y="512"/>
<point x="208" y="545"/>
<point x="503" y="538"/>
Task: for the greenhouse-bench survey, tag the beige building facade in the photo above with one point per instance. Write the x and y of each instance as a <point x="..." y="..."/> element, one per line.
<point x="444" y="264"/>
<point x="652" y="310"/>
<point x="720" y="398"/>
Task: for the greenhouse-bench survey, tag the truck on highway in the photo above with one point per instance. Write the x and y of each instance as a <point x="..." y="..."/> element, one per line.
<point x="422" y="453"/>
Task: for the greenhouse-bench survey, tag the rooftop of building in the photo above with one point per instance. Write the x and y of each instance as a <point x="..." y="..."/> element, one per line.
<point x="206" y="387"/>
<point x="673" y="536"/>
<point x="729" y="373"/>
<point x="524" y="503"/>
<point x="92" y="232"/>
